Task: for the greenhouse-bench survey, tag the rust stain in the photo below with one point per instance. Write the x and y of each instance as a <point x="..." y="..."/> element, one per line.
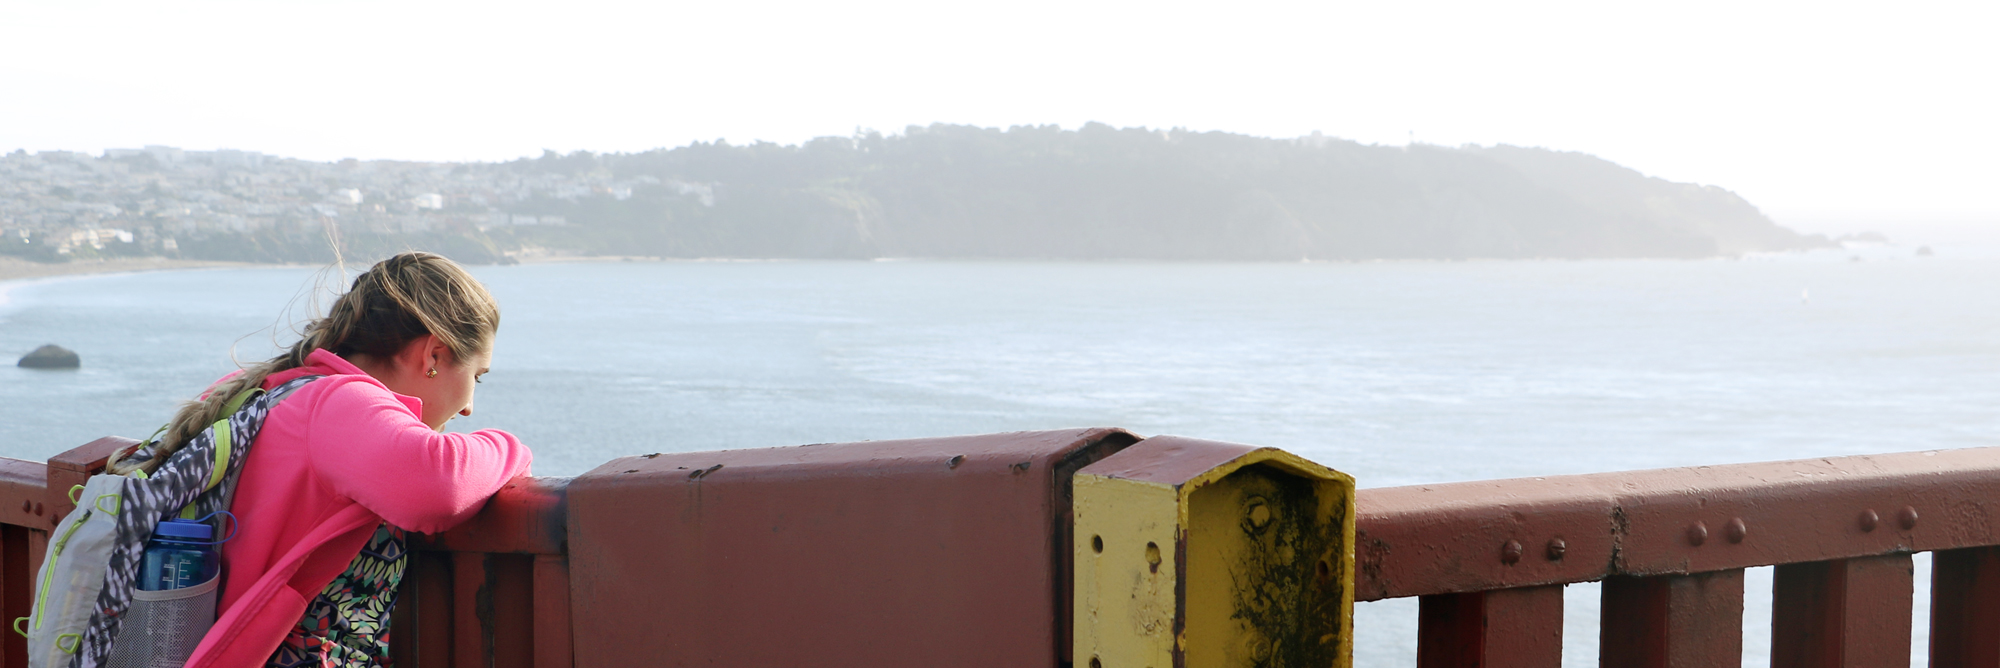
<point x="1369" y="554"/>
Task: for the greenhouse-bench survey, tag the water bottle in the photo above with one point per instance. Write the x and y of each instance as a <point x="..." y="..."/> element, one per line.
<point x="180" y="554"/>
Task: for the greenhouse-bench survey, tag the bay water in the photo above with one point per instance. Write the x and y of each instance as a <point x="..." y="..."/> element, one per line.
<point x="1396" y="373"/>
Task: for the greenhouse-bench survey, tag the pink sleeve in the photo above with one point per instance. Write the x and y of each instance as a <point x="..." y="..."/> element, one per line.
<point x="369" y="447"/>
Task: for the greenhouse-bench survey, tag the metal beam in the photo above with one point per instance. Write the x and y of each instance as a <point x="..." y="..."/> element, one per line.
<point x="1498" y="534"/>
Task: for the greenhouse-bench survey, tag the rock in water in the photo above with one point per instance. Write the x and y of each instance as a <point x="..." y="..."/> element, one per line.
<point x="50" y="356"/>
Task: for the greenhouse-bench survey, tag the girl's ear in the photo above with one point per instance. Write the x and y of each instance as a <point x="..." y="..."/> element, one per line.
<point x="416" y="355"/>
<point x="440" y="354"/>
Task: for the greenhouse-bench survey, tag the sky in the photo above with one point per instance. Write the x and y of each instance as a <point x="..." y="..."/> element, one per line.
<point x="1826" y="115"/>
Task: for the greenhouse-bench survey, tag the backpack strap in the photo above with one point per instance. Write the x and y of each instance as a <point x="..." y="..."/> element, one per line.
<point x="221" y="431"/>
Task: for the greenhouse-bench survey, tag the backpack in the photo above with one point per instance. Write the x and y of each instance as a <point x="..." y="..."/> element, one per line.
<point x="85" y="591"/>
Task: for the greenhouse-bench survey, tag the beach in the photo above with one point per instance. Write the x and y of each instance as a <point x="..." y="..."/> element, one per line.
<point x="12" y="269"/>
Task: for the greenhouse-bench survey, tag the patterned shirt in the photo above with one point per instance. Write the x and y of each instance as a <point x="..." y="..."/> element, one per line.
<point x="347" y="624"/>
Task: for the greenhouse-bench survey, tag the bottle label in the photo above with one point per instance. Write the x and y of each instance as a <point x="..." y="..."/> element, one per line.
<point x="164" y="569"/>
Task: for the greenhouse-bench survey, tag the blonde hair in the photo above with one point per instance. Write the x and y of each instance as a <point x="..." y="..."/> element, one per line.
<point x="394" y="302"/>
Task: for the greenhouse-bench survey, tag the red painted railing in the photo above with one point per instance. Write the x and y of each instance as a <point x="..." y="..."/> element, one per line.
<point x="1487" y="559"/>
<point x="492" y="593"/>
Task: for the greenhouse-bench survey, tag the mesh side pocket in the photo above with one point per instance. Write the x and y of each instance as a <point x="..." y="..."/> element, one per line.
<point x="162" y="628"/>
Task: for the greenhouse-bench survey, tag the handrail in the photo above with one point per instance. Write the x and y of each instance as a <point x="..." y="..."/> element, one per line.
<point x="1671" y="544"/>
<point x="1494" y="534"/>
<point x="527" y="516"/>
<point x="1487" y="559"/>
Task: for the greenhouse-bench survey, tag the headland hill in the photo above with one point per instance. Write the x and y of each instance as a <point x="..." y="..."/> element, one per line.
<point x="943" y="192"/>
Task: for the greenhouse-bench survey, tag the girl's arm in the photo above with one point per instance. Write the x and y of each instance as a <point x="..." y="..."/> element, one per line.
<point x="368" y="446"/>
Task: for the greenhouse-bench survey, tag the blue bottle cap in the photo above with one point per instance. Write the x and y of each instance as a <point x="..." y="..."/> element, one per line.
<point x="187" y="529"/>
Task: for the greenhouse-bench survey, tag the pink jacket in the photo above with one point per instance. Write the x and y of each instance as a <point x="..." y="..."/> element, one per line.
<point x="335" y="459"/>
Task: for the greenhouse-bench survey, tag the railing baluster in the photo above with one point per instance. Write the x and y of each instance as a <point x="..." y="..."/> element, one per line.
<point x="422" y="635"/>
<point x="1672" y="621"/>
<point x="1502" y="628"/>
<point x="509" y="619"/>
<point x="1844" y="612"/>
<point x="552" y="635"/>
<point x="1965" y="608"/>
<point x="470" y="646"/>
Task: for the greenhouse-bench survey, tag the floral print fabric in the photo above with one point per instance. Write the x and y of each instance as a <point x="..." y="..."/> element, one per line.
<point x="347" y="624"/>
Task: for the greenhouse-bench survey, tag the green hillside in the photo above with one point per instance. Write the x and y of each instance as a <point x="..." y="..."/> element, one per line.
<point x="950" y="191"/>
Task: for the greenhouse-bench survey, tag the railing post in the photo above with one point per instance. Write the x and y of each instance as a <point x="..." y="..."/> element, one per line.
<point x="24" y="487"/>
<point x="934" y="552"/>
<point x="1965" y="608"/>
<point x="1501" y="628"/>
<point x="1198" y="553"/>
<point x="17" y="580"/>
<point x="1844" y="612"/>
<point x="1672" y="621"/>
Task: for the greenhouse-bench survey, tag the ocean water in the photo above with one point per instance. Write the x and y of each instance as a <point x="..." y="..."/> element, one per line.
<point x="1397" y="373"/>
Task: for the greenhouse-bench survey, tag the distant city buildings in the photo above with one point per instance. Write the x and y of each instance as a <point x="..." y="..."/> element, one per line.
<point x="153" y="199"/>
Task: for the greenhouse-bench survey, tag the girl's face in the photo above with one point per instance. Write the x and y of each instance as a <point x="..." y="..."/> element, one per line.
<point x="449" y="394"/>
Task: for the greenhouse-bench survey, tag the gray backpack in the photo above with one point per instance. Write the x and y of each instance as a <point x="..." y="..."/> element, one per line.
<point x="85" y="593"/>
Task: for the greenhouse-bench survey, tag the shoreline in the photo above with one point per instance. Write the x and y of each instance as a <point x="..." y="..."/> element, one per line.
<point x="15" y="269"/>
<point x="15" y="272"/>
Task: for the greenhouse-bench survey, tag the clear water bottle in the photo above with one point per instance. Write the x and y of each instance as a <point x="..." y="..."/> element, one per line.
<point x="180" y="554"/>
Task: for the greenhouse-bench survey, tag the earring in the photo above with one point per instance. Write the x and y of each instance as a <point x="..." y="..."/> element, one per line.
<point x="432" y="374"/>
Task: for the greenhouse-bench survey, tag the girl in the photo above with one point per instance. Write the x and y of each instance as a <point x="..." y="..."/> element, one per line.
<point x="349" y="462"/>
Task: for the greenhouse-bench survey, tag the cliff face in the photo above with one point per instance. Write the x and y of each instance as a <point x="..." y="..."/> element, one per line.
<point x="1099" y="192"/>
<point x="1605" y="187"/>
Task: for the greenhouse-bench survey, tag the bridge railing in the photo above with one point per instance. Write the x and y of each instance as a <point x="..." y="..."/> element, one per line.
<point x="1488" y="560"/>
<point x="837" y="549"/>
<point x="493" y="592"/>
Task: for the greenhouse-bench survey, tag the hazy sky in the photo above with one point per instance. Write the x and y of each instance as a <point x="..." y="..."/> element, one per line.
<point x="1815" y="111"/>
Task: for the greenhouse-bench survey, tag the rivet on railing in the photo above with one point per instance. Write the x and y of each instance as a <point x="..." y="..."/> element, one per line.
<point x="1736" y="530"/>
<point x="1869" y="519"/>
<point x="1259" y="651"/>
<point x="27" y="505"/>
<point x="1556" y="548"/>
<point x="39" y="509"/>
<point x="1511" y="552"/>
<point x="1697" y="534"/>
<point x="1907" y="517"/>
<point x="1258" y="516"/>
